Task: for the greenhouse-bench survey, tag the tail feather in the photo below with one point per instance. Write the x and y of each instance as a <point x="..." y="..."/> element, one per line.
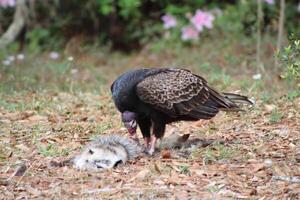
<point x="227" y="101"/>
<point x="218" y="101"/>
<point x="204" y="112"/>
<point x="236" y="98"/>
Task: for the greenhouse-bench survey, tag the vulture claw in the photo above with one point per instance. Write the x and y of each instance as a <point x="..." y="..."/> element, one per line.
<point x="152" y="145"/>
<point x="150" y="151"/>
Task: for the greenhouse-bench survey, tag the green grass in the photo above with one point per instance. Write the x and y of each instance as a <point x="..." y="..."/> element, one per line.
<point x="293" y="94"/>
<point x="266" y="96"/>
<point x="219" y="61"/>
<point x="184" y="169"/>
<point x="276" y="116"/>
<point x="103" y="127"/>
<point x="52" y="150"/>
<point x="218" y="152"/>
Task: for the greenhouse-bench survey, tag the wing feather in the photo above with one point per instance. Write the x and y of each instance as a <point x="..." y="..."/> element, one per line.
<point x="173" y="91"/>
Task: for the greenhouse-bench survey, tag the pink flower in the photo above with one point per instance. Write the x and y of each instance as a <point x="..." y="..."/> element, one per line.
<point x="270" y="2"/>
<point x="202" y="19"/>
<point x="169" y="21"/>
<point x="189" y="33"/>
<point x="7" y="3"/>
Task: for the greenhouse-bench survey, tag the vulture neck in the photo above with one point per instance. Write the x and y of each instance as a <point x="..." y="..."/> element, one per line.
<point x="124" y="90"/>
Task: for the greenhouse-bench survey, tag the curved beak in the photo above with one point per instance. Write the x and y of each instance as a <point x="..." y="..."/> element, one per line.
<point x="131" y="131"/>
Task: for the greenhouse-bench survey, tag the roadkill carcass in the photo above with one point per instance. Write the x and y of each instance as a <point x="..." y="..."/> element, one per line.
<point x="109" y="151"/>
<point x="105" y="152"/>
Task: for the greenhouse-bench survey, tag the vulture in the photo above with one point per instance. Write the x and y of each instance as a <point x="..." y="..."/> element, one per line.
<point x="153" y="97"/>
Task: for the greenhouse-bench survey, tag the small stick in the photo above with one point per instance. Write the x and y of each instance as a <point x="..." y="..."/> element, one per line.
<point x="291" y="179"/>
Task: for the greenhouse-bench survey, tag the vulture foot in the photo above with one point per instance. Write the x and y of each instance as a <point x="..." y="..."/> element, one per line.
<point x="152" y="145"/>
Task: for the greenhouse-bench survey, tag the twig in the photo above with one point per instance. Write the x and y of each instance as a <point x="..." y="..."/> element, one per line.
<point x="107" y="189"/>
<point x="290" y="179"/>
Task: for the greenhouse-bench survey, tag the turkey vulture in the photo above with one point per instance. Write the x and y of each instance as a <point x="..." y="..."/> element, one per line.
<point x="155" y="97"/>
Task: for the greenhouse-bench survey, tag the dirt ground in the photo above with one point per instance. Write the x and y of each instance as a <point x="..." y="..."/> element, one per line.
<point x="259" y="158"/>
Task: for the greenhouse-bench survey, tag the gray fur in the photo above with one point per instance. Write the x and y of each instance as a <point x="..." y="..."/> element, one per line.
<point x="106" y="152"/>
<point x="132" y="147"/>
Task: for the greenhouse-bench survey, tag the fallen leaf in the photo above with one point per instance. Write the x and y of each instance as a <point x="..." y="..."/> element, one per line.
<point x="270" y="107"/>
<point x="22" y="147"/>
<point x="156" y="168"/>
<point x="279" y="171"/>
<point x="165" y="154"/>
<point x="257" y="167"/>
<point x="38" y="118"/>
<point x="141" y="175"/>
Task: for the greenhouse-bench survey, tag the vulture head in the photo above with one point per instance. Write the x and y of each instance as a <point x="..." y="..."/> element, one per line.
<point x="129" y="120"/>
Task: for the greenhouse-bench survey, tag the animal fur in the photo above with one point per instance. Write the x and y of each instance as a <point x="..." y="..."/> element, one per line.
<point x="107" y="152"/>
<point x="111" y="150"/>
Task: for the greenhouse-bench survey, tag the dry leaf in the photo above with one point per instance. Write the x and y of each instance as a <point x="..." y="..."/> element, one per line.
<point x="257" y="167"/>
<point x="166" y="154"/>
<point x="141" y="175"/>
<point x="23" y="147"/>
<point x="38" y="118"/>
<point x="270" y="107"/>
<point x="279" y="171"/>
<point x="156" y="168"/>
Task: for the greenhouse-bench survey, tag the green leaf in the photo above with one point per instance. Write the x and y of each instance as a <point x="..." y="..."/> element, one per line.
<point x="106" y="6"/>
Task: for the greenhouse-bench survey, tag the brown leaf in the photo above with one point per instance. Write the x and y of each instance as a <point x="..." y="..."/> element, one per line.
<point x="165" y="154"/>
<point x="19" y="116"/>
<point x="22" y="147"/>
<point x="33" y="191"/>
<point x="257" y="167"/>
<point x="38" y="118"/>
<point x="279" y="171"/>
<point x="156" y="168"/>
<point x="141" y="175"/>
<point x="270" y="107"/>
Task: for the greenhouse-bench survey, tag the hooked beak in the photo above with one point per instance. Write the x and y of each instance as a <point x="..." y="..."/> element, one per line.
<point x="130" y="129"/>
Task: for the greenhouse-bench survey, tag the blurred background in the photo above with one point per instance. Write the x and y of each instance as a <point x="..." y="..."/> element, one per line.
<point x="84" y="44"/>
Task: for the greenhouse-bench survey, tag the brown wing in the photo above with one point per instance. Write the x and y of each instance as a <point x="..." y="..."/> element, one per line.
<point x="173" y="91"/>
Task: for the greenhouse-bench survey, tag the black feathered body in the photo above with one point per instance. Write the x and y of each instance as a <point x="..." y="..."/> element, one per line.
<point x="164" y="95"/>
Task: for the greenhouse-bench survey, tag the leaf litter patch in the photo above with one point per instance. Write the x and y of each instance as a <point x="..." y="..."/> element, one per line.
<point x="259" y="156"/>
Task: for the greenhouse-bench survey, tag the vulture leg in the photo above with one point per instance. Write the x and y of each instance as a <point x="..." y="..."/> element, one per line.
<point x="145" y="127"/>
<point x="152" y="145"/>
<point x="147" y="141"/>
<point x="159" y="127"/>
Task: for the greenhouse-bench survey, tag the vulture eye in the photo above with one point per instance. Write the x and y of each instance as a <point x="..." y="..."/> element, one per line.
<point x="118" y="163"/>
<point x="91" y="151"/>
